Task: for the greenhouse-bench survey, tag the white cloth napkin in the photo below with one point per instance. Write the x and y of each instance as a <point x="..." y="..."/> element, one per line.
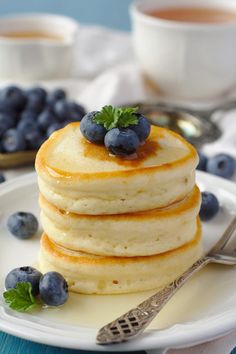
<point x="107" y="74"/>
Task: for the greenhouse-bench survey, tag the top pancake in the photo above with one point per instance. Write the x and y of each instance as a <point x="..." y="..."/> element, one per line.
<point x="68" y="152"/>
<point x="84" y="178"/>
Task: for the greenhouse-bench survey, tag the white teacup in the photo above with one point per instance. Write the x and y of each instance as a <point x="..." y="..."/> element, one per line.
<point x="37" y="58"/>
<point x="185" y="60"/>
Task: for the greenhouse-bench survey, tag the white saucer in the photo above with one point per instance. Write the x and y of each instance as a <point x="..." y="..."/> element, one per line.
<point x="203" y="309"/>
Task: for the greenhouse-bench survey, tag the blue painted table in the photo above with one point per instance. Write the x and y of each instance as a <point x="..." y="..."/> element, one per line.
<point x="13" y="345"/>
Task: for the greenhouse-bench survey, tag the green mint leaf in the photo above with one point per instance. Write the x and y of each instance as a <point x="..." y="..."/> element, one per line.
<point x="115" y="117"/>
<point x="127" y="117"/>
<point x="21" y="298"/>
<point x="107" y="117"/>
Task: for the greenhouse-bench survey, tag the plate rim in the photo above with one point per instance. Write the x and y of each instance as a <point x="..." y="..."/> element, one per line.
<point x="223" y="323"/>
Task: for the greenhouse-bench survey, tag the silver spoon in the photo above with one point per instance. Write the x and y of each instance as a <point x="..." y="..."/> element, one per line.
<point x="133" y="323"/>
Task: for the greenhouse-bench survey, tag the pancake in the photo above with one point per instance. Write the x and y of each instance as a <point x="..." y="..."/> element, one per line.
<point x="81" y="177"/>
<point x="91" y="274"/>
<point x="133" y="234"/>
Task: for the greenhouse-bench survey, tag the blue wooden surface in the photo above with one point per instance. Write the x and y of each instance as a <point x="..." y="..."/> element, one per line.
<point x="13" y="345"/>
<point x="111" y="13"/>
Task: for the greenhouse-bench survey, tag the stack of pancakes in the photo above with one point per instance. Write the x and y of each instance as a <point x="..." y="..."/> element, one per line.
<point x="114" y="225"/>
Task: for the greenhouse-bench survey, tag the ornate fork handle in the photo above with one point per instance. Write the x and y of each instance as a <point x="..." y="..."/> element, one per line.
<point x="132" y="323"/>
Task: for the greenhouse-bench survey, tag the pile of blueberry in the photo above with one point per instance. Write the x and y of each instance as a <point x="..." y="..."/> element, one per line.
<point x="28" y="117"/>
<point x="122" y="131"/>
<point x="222" y="165"/>
<point x="51" y="287"/>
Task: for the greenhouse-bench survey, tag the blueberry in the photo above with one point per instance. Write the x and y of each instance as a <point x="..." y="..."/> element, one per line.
<point x="34" y="139"/>
<point x="68" y="110"/>
<point x="55" y="95"/>
<point x="36" y="99"/>
<point x="2" y="178"/>
<point x="45" y="119"/>
<point x="222" y="165"/>
<point x="29" y="115"/>
<point x="24" y="274"/>
<point x="13" y="141"/>
<point x="12" y="98"/>
<point x="26" y="125"/>
<point x="121" y="142"/>
<point x="53" y="289"/>
<point x="61" y="110"/>
<point x="66" y="122"/>
<point x="22" y="225"/>
<point x="77" y="112"/>
<point x="202" y="161"/>
<point x="3" y="128"/>
<point x="209" y="207"/>
<point x="53" y="127"/>
<point x="92" y="131"/>
<point x="6" y="121"/>
<point x="35" y="104"/>
<point x="37" y="91"/>
<point x="142" y="129"/>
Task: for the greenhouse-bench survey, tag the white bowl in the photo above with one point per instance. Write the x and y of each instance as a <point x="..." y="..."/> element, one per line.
<point x="35" y="59"/>
<point x="185" y="60"/>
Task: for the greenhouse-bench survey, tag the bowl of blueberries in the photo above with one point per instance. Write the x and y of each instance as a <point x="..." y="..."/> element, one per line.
<point x="28" y="117"/>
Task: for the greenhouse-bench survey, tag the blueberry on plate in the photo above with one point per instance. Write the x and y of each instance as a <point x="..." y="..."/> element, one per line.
<point x="53" y="127"/>
<point x="13" y="141"/>
<point x="222" y="165"/>
<point x="202" y="161"/>
<point x="68" y="110"/>
<point x="34" y="139"/>
<point x="24" y="274"/>
<point x="22" y="225"/>
<point x="12" y="98"/>
<point x="121" y="142"/>
<point x="45" y="119"/>
<point x="53" y="289"/>
<point x="142" y="129"/>
<point x="209" y="206"/>
<point x="92" y="131"/>
<point x="2" y="178"/>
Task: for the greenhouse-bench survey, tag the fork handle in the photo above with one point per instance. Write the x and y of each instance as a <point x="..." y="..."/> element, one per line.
<point x="133" y="322"/>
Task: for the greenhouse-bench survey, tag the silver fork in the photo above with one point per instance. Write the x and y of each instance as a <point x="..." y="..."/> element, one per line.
<point x="133" y="323"/>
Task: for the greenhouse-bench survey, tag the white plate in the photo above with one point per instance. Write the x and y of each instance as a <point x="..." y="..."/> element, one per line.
<point x="204" y="308"/>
